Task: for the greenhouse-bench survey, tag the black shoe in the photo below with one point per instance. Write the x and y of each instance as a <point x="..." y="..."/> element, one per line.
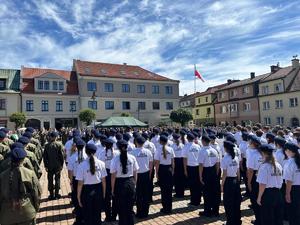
<point x="178" y="196"/>
<point x="206" y="214"/>
<point x="215" y="214"/>
<point x="166" y="211"/>
<point x="193" y="204"/>
<point x="51" y="197"/>
<point x="57" y="196"/>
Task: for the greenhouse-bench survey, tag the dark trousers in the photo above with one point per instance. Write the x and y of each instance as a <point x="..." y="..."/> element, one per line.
<point x="211" y="190"/>
<point x="285" y="205"/>
<point x="271" y="208"/>
<point x="54" y="176"/>
<point x="142" y="194"/>
<point x="253" y="199"/>
<point x="109" y="202"/>
<point x="165" y="182"/>
<point x="78" y="209"/>
<point x="92" y="199"/>
<point x="294" y="206"/>
<point x="179" y="178"/>
<point x="151" y="185"/>
<point x="125" y="196"/>
<point x="244" y="175"/>
<point x="194" y="184"/>
<point x="232" y="201"/>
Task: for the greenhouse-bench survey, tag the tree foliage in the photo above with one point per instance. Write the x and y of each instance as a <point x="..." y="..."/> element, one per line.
<point x="125" y="114"/>
<point x="18" y="118"/>
<point x="87" y="116"/>
<point x="181" y="116"/>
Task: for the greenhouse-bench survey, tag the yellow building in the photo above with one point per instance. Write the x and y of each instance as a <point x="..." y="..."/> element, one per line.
<point x="204" y="111"/>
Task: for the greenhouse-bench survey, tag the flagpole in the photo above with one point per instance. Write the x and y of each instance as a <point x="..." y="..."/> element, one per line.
<point x="194" y="79"/>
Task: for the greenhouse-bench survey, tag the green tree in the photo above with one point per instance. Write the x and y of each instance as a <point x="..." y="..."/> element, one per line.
<point x="87" y="116"/>
<point x="181" y="116"/>
<point x="125" y="115"/>
<point x="18" y="118"/>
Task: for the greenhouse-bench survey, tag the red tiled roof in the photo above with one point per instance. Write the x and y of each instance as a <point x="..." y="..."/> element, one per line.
<point x="98" y="69"/>
<point x="28" y="75"/>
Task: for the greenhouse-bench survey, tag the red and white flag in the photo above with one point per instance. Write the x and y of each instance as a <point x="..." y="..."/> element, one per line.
<point x="198" y="75"/>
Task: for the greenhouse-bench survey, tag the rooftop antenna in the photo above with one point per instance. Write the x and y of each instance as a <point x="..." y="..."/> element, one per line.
<point x="295" y="56"/>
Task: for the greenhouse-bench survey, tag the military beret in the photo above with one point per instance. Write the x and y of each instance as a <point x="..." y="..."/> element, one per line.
<point x="109" y="141"/>
<point x="103" y="137"/>
<point x="135" y="134"/>
<point x="145" y="135"/>
<point x="122" y="143"/>
<point x="16" y="145"/>
<point x="80" y="142"/>
<point x="176" y="136"/>
<point x="280" y="141"/>
<point x="2" y="135"/>
<point x="292" y="147"/>
<point x="23" y="140"/>
<point x="254" y="139"/>
<point x="182" y="132"/>
<point x="231" y="138"/>
<point x="53" y="134"/>
<point x="119" y="136"/>
<point x="195" y="134"/>
<point x="93" y="131"/>
<point x="140" y="140"/>
<point x="270" y="136"/>
<point x="113" y="131"/>
<point x="126" y="136"/>
<point x="27" y="134"/>
<point x="212" y="136"/>
<point x="164" y="133"/>
<point x="245" y="135"/>
<point x="196" y="130"/>
<point x="163" y="138"/>
<point x="229" y="145"/>
<point x="190" y="136"/>
<point x="96" y="134"/>
<point x="170" y="130"/>
<point x="266" y="148"/>
<point x="18" y="154"/>
<point x="29" y="129"/>
<point x="5" y="130"/>
<point x="91" y="148"/>
<point x="205" y="138"/>
<point x="156" y="130"/>
<point x="76" y="133"/>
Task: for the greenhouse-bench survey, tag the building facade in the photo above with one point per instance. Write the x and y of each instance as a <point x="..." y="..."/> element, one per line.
<point x="279" y="94"/>
<point x="49" y="98"/>
<point x="187" y="102"/>
<point x="9" y="95"/>
<point x="113" y="89"/>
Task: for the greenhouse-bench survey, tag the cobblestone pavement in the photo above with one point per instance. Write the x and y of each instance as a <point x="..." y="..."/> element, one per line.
<point x="59" y="212"/>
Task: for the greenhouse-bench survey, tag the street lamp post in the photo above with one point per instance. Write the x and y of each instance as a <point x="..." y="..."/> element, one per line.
<point x="94" y="100"/>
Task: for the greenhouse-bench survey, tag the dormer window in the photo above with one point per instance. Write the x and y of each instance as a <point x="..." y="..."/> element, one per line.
<point x="46" y="85"/>
<point x="2" y="84"/>
<point x="40" y="85"/>
<point x="54" y="85"/>
<point x="87" y="70"/>
<point x="61" y="85"/>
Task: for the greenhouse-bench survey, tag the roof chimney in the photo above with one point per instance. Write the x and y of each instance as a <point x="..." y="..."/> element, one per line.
<point x="125" y="64"/>
<point x="229" y="81"/>
<point x="252" y="75"/>
<point x="274" y="68"/>
<point x="295" y="62"/>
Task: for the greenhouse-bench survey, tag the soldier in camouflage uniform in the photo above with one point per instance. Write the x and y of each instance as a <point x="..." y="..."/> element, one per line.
<point x="8" y="142"/>
<point x="53" y="161"/>
<point x="34" y="146"/>
<point x="4" y="149"/>
<point x="19" y="192"/>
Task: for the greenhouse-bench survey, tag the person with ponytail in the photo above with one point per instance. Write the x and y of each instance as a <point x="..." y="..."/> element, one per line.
<point x="20" y="192"/>
<point x="74" y="162"/>
<point x="91" y="186"/>
<point x="123" y="171"/>
<point x="164" y="167"/>
<point x="291" y="174"/>
<point x="270" y="181"/>
<point x="231" y="184"/>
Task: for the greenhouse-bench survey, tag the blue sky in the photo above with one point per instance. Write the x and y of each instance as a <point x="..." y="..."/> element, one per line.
<point x="226" y="39"/>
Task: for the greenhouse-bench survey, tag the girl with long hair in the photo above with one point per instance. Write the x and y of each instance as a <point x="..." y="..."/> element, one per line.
<point x="270" y="181"/>
<point x="91" y="187"/>
<point x="123" y="171"/>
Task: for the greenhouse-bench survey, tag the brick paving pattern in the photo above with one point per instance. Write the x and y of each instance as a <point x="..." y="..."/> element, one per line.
<point x="59" y="212"/>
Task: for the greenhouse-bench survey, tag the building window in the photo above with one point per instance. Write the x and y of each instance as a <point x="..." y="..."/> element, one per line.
<point x="155" y="105"/>
<point x="278" y="87"/>
<point x="109" y="105"/>
<point x="92" y="105"/>
<point x="91" y="86"/>
<point x="169" y="90"/>
<point x="233" y="107"/>
<point x="40" y="85"/>
<point x="279" y="104"/>
<point x="155" y="89"/>
<point x="233" y="93"/>
<point x="2" y="84"/>
<point x="197" y="112"/>
<point x="59" y="106"/>
<point x="45" y="106"/>
<point x="280" y="120"/>
<point x="246" y="90"/>
<point x="2" y="104"/>
<point x="221" y="95"/>
<point x="54" y="85"/>
<point x="169" y="105"/>
<point x="61" y="85"/>
<point x="46" y="85"/>
<point x="247" y="107"/>
<point x="267" y="120"/>
<point x="265" y="90"/>
<point x="293" y="102"/>
<point x="266" y="105"/>
<point x="125" y="88"/>
<point x="223" y="109"/>
<point x="206" y="99"/>
<point x="141" y="89"/>
<point x="199" y="100"/>
<point x="208" y="111"/>
<point x="108" y="87"/>
<point x="141" y="105"/>
<point x="72" y="106"/>
<point x="126" y="105"/>
<point x="29" y="105"/>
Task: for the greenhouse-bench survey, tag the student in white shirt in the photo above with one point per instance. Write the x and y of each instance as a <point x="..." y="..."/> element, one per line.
<point x="270" y="181"/>
<point x="291" y="175"/>
<point x="164" y="167"/>
<point x="231" y="185"/>
<point x="271" y="139"/>
<point x="183" y="137"/>
<point x="144" y="159"/>
<point x="123" y="171"/>
<point x="155" y="139"/>
<point x="243" y="168"/>
<point x="91" y="186"/>
<point x="179" y="177"/>
<point x="127" y="137"/>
